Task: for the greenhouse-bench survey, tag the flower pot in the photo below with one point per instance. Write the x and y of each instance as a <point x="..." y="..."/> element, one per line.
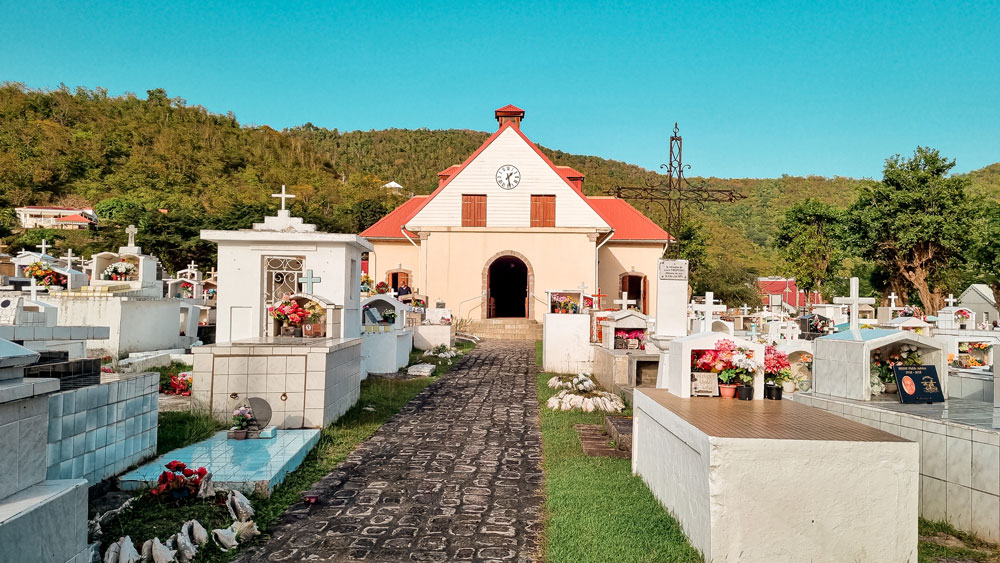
<point x="788" y="386"/>
<point x="891" y="388"/>
<point x="772" y="392"/>
<point x="240" y="434"/>
<point x="727" y="391"/>
<point x="744" y="392"/>
<point x="961" y="326"/>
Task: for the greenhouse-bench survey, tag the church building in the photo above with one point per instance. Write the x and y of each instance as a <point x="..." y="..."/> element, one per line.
<point x="508" y="225"/>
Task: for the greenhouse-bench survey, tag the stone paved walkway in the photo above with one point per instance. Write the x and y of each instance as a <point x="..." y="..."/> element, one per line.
<point x="455" y="476"/>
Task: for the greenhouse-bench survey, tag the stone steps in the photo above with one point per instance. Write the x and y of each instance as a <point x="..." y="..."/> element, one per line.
<point x="506" y="329"/>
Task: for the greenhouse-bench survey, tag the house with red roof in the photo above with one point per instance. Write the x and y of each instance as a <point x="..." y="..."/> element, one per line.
<point x="507" y="225"/>
<point x="778" y="291"/>
<point x="53" y="217"/>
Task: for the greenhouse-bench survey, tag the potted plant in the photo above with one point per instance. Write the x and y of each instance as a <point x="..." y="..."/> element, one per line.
<point x="777" y="373"/>
<point x="389" y="316"/>
<point x="727" y="389"/>
<point x="963" y="317"/>
<point x="744" y="391"/>
<point x="119" y="271"/>
<point x="241" y="419"/>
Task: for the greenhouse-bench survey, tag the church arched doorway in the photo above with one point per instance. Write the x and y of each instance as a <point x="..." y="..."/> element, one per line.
<point x="507" y="290"/>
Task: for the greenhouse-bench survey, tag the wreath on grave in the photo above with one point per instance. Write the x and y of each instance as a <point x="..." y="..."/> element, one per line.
<point x="44" y="276"/>
<point x="382" y="287"/>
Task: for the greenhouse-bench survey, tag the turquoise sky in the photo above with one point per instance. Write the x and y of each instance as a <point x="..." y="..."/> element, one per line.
<point x="760" y="89"/>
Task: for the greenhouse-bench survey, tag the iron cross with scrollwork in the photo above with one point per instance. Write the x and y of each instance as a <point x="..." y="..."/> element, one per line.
<point x="676" y="192"/>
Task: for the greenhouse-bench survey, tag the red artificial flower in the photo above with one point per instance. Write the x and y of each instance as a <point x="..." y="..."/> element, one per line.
<point x="188" y="472"/>
<point x="202" y="471"/>
<point x="176" y="465"/>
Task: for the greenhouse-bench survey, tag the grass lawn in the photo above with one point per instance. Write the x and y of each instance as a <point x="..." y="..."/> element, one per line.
<point x="940" y="541"/>
<point x="150" y="518"/>
<point x="595" y="509"/>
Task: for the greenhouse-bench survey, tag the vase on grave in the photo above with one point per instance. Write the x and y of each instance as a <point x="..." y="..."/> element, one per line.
<point x="788" y="386"/>
<point x="727" y="390"/>
<point x="891" y="388"/>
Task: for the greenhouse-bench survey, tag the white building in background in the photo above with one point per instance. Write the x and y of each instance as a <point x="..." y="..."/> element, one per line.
<point x="45" y="217"/>
<point x="978" y="298"/>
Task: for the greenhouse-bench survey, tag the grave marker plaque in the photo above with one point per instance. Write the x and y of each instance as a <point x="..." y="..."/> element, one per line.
<point x="673" y="270"/>
<point x="704" y="384"/>
<point x="918" y="384"/>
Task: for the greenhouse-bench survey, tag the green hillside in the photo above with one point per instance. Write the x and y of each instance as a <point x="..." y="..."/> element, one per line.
<point x="83" y="147"/>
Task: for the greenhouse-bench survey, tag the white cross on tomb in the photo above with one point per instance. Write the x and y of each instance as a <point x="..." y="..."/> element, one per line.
<point x="744" y="309"/>
<point x="624" y="301"/>
<point x="892" y="299"/>
<point x="193" y="266"/>
<point x="854" y="301"/>
<point x="308" y="281"/>
<point x="44" y="246"/>
<point x="951" y="300"/>
<point x="709" y="308"/>
<point x="131" y="231"/>
<point x="69" y="266"/>
<point x="34" y="289"/>
<point x="283" y="196"/>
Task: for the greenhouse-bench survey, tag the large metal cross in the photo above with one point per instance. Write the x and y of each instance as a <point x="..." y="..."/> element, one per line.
<point x="283" y="196"/>
<point x="675" y="192"/>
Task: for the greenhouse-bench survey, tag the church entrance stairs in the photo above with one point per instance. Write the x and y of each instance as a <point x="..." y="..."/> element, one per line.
<point x="506" y="329"/>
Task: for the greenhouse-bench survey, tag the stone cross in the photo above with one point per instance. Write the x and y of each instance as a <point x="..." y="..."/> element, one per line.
<point x="131" y="231"/>
<point x="709" y="309"/>
<point x="283" y="196"/>
<point x="44" y="246"/>
<point x="951" y="300"/>
<point x="69" y="266"/>
<point x="892" y="299"/>
<point x="744" y="309"/>
<point x="854" y="301"/>
<point x="34" y="289"/>
<point x="309" y="280"/>
<point x="624" y="301"/>
<point x="193" y="266"/>
<point x="211" y="274"/>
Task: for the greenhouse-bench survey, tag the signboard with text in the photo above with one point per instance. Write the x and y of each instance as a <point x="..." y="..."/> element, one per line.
<point x="673" y="270"/>
<point x="918" y="384"/>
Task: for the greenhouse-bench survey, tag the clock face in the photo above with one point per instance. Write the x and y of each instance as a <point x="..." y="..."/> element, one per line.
<point x="508" y="177"/>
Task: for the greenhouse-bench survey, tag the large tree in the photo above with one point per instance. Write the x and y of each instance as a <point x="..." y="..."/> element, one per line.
<point x="807" y="243"/>
<point x="984" y="251"/>
<point x="914" y="223"/>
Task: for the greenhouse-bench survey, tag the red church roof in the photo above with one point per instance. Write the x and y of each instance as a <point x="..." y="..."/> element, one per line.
<point x="509" y="108"/>
<point x="390" y="225"/>
<point x="627" y="221"/>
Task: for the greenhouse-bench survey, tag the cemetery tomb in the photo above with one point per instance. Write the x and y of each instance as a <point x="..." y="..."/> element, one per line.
<point x="678" y="374"/>
<point x="435" y="329"/>
<point x="386" y="341"/>
<point x="725" y="470"/>
<point x="625" y="359"/>
<point x="289" y="322"/>
<point x="31" y="506"/>
<point x="566" y="346"/>
<point x="250" y="466"/>
<point x="843" y="362"/>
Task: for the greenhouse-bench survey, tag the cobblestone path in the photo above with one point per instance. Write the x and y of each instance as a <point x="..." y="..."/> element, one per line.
<point x="454" y="476"/>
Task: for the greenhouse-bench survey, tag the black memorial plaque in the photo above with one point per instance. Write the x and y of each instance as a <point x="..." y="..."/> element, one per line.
<point x="918" y="384"/>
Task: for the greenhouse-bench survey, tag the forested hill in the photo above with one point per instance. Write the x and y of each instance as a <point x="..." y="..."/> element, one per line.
<point x="83" y="147"/>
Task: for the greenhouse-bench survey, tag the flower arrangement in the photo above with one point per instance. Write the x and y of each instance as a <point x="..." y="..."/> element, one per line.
<point x="963" y="315"/>
<point x="881" y="368"/>
<point x="179" y="480"/>
<point x="44" y="276"/>
<point x="366" y="283"/>
<point x="289" y="312"/>
<point x="588" y="302"/>
<point x="727" y="360"/>
<point x="776" y="366"/>
<point x="807" y="361"/>
<point x="242" y="417"/>
<point x="980" y="346"/>
<point x="180" y="384"/>
<point x="634" y="334"/>
<point x="187" y="289"/>
<point x="564" y="303"/>
<point x="389" y="316"/>
<point x="418" y="303"/>
<point x="382" y="287"/>
<point x="908" y="311"/>
<point x="119" y="271"/>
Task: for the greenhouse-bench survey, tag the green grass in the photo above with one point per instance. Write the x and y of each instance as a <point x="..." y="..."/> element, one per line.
<point x="441" y="364"/>
<point x="975" y="549"/>
<point x="150" y="518"/>
<point x="178" y="429"/>
<point x="596" y="510"/>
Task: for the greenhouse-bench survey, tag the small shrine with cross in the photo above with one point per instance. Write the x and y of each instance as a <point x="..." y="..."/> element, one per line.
<point x="853" y="363"/>
<point x="128" y="269"/>
<point x="952" y="317"/>
<point x="288" y="321"/>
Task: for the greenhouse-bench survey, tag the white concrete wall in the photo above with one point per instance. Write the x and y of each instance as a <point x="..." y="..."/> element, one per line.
<point x="428" y="337"/>
<point x="135" y="325"/>
<point x="566" y="344"/>
<point x="386" y="352"/>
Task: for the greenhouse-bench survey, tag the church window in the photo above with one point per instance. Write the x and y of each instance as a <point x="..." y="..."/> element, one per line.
<point x="543" y="211"/>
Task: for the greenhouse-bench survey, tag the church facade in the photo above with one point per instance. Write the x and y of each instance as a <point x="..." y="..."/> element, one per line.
<point x="508" y="225"/>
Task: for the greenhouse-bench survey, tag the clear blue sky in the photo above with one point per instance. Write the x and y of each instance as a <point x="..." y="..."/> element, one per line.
<point x="759" y="90"/>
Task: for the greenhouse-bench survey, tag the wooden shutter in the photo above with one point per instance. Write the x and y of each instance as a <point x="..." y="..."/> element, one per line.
<point x="543" y="211"/>
<point x="645" y="295"/>
<point x="473" y="210"/>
